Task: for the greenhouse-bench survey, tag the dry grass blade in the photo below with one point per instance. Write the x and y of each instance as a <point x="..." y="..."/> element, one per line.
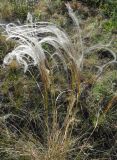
<point x="108" y="107"/>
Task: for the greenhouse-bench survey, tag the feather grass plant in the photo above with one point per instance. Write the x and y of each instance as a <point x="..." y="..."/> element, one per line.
<point x="30" y="50"/>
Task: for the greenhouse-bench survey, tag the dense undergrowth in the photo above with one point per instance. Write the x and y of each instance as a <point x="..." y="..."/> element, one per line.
<point x="64" y="106"/>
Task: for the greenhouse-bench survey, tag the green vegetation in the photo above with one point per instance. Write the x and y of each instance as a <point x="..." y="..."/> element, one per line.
<point x="64" y="107"/>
